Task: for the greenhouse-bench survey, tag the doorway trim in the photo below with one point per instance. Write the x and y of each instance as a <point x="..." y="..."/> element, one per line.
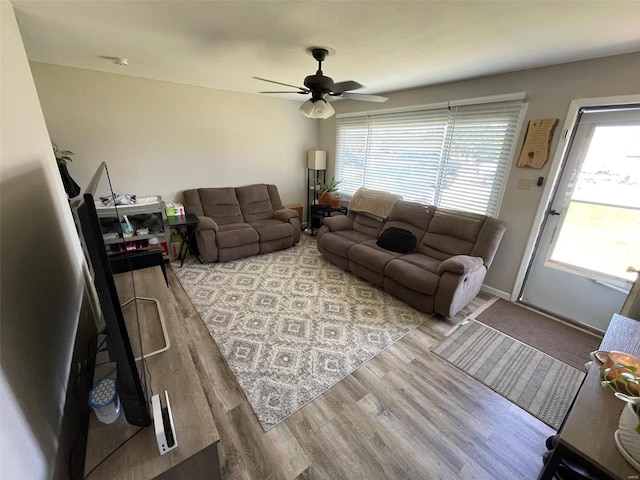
<point x="553" y="176"/>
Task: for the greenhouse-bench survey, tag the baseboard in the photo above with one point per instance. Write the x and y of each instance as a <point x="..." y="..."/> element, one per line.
<point x="494" y="291"/>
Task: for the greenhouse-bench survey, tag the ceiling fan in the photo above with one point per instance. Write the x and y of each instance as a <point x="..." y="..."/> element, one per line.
<point x="323" y="89"/>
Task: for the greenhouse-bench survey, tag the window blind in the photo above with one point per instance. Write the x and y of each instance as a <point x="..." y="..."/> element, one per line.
<point x="454" y="157"/>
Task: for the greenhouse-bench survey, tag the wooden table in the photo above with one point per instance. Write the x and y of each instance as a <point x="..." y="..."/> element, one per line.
<point x="173" y="370"/>
<point x="587" y="432"/>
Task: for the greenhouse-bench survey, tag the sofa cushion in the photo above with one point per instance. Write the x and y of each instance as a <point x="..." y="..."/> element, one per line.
<point x="488" y="238"/>
<point x="371" y="255"/>
<point x="233" y="235"/>
<point x="451" y="233"/>
<point x="425" y="262"/>
<point x="340" y="242"/>
<point x="414" y="275"/>
<point x="272" y="229"/>
<point x="274" y="195"/>
<point x="412" y="216"/>
<point x="221" y="204"/>
<point x="255" y="202"/>
<point x="338" y="222"/>
<point x="366" y="225"/>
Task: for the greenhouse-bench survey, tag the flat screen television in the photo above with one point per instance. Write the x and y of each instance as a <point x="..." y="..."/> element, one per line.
<point x="130" y="381"/>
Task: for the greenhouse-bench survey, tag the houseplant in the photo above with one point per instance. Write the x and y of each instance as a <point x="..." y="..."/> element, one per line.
<point x="62" y="157"/>
<point x="625" y="381"/>
<point x="326" y="190"/>
<point x="336" y="200"/>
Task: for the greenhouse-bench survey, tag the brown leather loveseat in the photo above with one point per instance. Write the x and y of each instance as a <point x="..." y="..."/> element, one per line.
<point x="242" y="221"/>
<point x="443" y="270"/>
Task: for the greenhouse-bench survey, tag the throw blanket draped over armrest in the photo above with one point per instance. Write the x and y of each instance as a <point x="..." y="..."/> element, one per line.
<point x="373" y="202"/>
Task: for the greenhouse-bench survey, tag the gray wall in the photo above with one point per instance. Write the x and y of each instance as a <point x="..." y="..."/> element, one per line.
<point x="160" y="138"/>
<point x="549" y="91"/>
<point x="42" y="274"/>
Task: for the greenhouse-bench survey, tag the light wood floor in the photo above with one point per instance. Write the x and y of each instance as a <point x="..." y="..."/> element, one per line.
<point x="405" y="414"/>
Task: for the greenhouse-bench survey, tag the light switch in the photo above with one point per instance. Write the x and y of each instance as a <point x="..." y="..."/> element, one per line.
<point x="525" y="184"/>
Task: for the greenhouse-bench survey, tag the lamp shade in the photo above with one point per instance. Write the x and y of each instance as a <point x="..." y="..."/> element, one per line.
<point x="307" y="108"/>
<point x="322" y="109"/>
<point x="317" y="109"/>
<point x="317" y="160"/>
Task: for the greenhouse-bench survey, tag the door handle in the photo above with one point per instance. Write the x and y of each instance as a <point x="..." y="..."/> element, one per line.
<point x="553" y="212"/>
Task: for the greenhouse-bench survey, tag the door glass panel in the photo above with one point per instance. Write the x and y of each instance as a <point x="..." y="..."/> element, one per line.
<point x="601" y="225"/>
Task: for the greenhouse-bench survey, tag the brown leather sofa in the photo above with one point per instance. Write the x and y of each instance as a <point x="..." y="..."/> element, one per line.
<point x="442" y="273"/>
<point x="242" y="221"/>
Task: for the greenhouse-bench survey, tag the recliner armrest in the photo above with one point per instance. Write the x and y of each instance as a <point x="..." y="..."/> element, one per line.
<point x="207" y="223"/>
<point x="338" y="223"/>
<point x="460" y="264"/>
<point x="285" y="214"/>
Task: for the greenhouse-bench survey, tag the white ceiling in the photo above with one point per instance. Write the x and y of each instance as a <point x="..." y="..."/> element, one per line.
<point x="386" y="46"/>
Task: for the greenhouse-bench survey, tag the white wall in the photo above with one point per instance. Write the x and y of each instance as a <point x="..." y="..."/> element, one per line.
<point x="160" y="138"/>
<point x="41" y="281"/>
<point x="549" y="91"/>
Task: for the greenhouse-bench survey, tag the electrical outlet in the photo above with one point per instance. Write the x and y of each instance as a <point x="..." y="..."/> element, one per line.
<point x="525" y="184"/>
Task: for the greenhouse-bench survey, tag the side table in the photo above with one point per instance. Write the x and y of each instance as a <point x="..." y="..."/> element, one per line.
<point x="185" y="226"/>
<point x="586" y="435"/>
<point x="318" y="212"/>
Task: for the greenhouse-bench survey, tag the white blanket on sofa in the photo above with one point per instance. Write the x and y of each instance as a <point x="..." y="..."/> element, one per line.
<point x="373" y="202"/>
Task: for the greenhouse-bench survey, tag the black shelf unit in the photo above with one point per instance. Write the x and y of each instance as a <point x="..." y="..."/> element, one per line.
<point x="313" y="178"/>
<point x="148" y="212"/>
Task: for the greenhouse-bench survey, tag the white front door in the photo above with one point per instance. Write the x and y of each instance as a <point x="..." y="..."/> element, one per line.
<point x="592" y="226"/>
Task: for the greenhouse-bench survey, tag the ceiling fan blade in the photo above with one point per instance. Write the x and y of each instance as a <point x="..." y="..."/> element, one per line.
<point x="364" y="97"/>
<point x="297" y="91"/>
<point x="280" y="83"/>
<point x="345" y="86"/>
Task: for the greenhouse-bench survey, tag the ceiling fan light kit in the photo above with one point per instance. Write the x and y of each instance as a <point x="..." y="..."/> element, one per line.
<point x="317" y="109"/>
<point x="319" y="86"/>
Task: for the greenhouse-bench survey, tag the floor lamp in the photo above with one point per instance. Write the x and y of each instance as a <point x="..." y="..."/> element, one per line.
<point x="316" y="162"/>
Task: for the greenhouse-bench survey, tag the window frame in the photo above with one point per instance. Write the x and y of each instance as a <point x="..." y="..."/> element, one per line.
<point x="453" y="110"/>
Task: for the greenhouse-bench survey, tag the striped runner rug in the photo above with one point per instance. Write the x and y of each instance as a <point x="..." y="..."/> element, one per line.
<point x="533" y="380"/>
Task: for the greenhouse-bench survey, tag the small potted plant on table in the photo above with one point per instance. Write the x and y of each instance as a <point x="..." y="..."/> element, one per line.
<point x="336" y="200"/>
<point x="62" y="157"/>
<point x="326" y="190"/>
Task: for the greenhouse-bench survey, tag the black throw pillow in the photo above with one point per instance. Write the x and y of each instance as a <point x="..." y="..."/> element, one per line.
<point x="397" y="240"/>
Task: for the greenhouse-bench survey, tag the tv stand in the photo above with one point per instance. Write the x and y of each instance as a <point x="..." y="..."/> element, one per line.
<point x="173" y="370"/>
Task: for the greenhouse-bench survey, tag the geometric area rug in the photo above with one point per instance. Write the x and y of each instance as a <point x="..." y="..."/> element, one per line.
<point x="533" y="380"/>
<point x="291" y="325"/>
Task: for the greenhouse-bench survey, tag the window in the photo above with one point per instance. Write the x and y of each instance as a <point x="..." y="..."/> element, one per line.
<point x="597" y="233"/>
<point x="452" y="156"/>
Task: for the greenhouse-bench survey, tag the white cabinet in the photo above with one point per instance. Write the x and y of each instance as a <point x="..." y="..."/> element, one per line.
<point x="148" y="221"/>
